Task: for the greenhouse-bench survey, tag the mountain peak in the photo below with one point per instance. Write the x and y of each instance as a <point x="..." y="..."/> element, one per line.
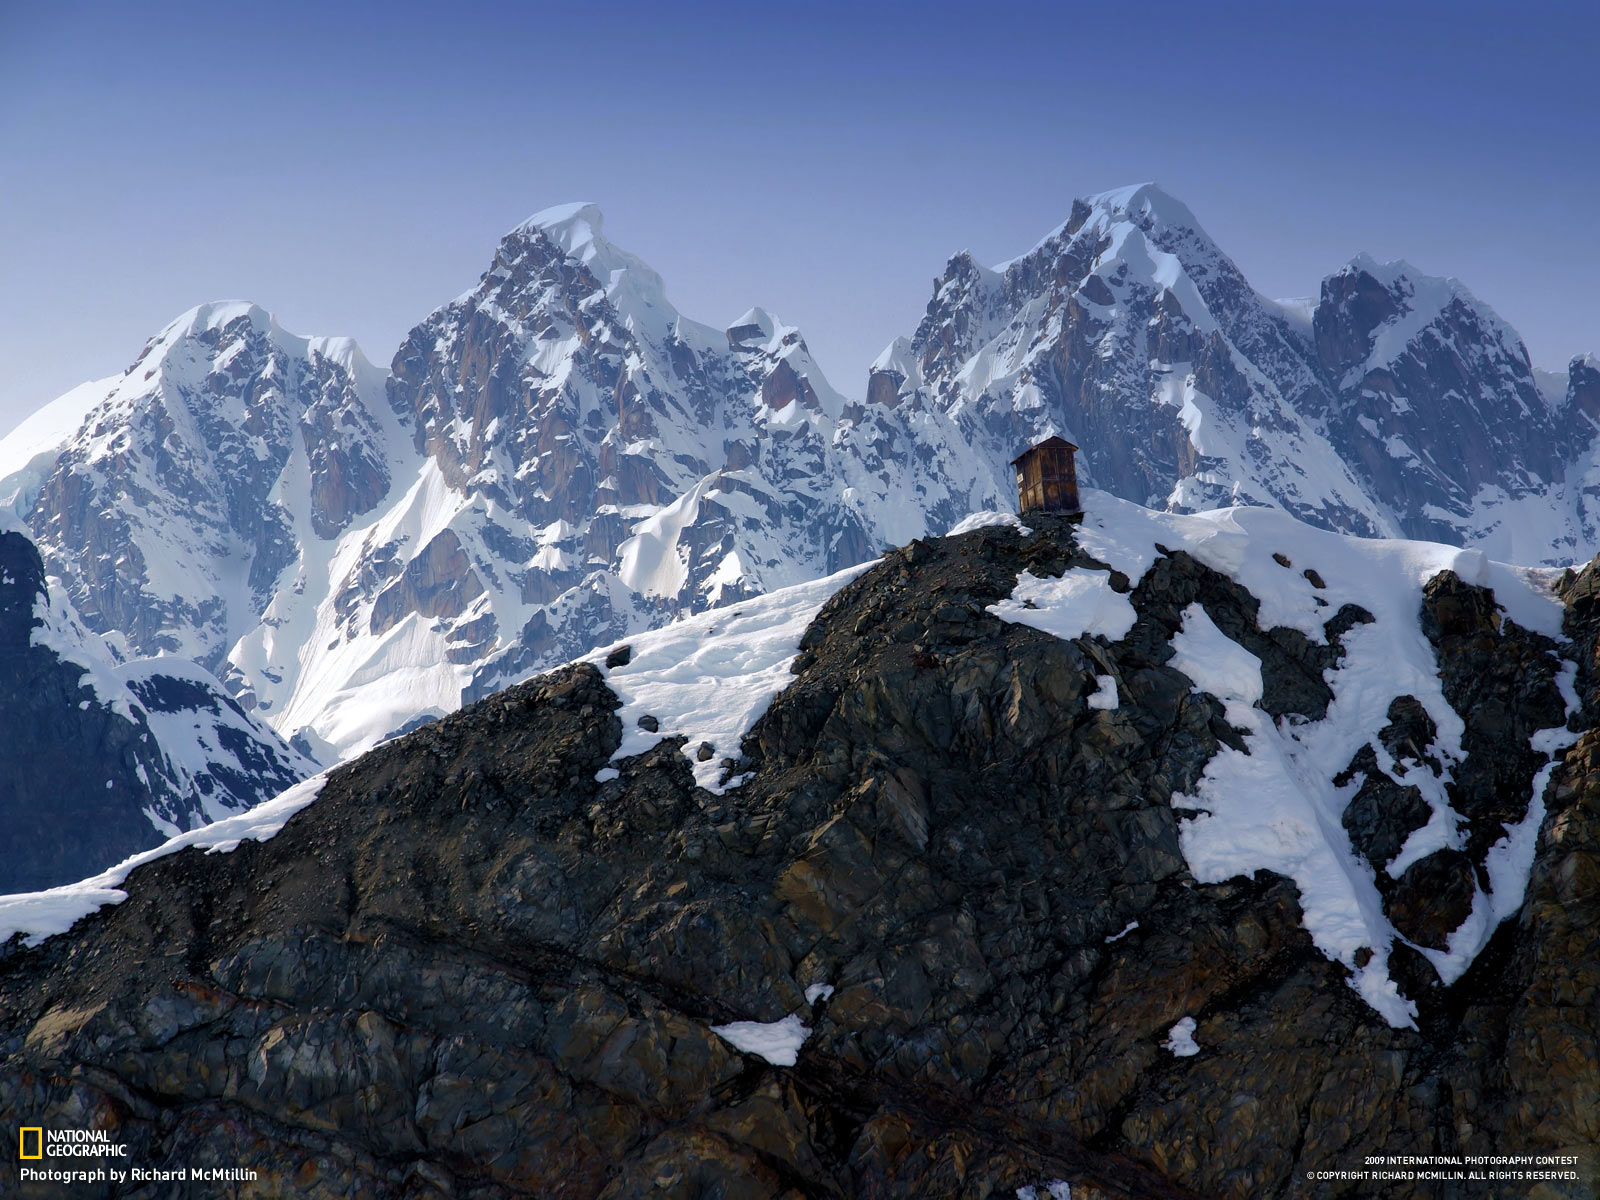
<point x="214" y="314"/>
<point x="1422" y="299"/>
<point x="756" y="324"/>
<point x="1388" y="272"/>
<point x="1144" y="206"/>
<point x="576" y="228"/>
<point x="1144" y="200"/>
<point x="219" y="314"/>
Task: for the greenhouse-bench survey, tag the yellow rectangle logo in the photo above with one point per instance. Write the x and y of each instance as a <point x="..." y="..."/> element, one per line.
<point x="38" y="1142"/>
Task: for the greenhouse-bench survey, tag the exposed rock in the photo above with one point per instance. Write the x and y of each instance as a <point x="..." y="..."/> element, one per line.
<point x="1382" y="814"/>
<point x="166" y="495"/>
<point x="1431" y="898"/>
<point x="438" y="582"/>
<point x="1501" y="679"/>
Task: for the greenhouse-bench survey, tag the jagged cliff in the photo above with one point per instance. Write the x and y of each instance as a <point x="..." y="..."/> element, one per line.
<point x="956" y="874"/>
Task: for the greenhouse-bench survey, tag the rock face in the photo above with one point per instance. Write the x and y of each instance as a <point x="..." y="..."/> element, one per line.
<point x="1405" y="358"/>
<point x="164" y="514"/>
<point x="472" y="969"/>
<point x="556" y="459"/>
<point x="608" y="463"/>
<point x="105" y="758"/>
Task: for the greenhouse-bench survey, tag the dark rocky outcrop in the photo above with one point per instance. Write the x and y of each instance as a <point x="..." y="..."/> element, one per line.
<point x="82" y="770"/>
<point x="58" y="741"/>
<point x="471" y="970"/>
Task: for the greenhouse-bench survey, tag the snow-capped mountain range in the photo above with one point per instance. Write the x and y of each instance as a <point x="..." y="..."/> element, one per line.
<point x="558" y="458"/>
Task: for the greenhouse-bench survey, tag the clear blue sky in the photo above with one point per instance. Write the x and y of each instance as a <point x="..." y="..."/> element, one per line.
<point x="350" y="166"/>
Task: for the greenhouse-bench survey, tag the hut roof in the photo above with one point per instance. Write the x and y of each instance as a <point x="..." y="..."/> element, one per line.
<point x="1052" y="440"/>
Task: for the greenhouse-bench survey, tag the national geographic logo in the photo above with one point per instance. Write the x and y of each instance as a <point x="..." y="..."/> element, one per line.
<point x="35" y="1143"/>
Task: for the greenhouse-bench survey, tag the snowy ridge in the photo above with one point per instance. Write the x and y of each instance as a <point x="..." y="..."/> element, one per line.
<point x="155" y="511"/>
<point x="38" y="915"/>
<point x="1277" y="807"/>
<point x="1421" y="300"/>
<point x="28" y="453"/>
<point x="590" y="464"/>
<point x="1393" y="404"/>
<point x="1127" y="331"/>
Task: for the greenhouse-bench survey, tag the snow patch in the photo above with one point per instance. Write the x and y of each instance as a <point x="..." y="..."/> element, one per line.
<point x="710" y="677"/>
<point x="1216" y="662"/>
<point x="1275" y="807"/>
<point x="1180" y="1039"/>
<point x="1105" y="693"/>
<point x="778" y="1042"/>
<point x="985" y="520"/>
<point x="1080" y="603"/>
<point x="1056" y="1189"/>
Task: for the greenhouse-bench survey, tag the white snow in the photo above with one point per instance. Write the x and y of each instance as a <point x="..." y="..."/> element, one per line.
<point x="983" y="520"/>
<point x="1180" y="1039"/>
<point x="1080" y="603"/>
<point x="1124" y="932"/>
<point x="711" y="676"/>
<point x="1420" y="300"/>
<point x="62" y="632"/>
<point x="1216" y="662"/>
<point x="1056" y="1189"/>
<point x="1105" y="694"/>
<point x="899" y="358"/>
<point x="28" y="453"/>
<point x="39" y="915"/>
<point x="818" y="991"/>
<point x="778" y="1042"/>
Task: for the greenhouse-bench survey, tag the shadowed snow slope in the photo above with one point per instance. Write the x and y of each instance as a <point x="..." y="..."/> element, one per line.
<point x="106" y="754"/>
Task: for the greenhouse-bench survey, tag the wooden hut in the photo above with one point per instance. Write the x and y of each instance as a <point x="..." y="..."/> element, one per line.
<point x="1047" y="477"/>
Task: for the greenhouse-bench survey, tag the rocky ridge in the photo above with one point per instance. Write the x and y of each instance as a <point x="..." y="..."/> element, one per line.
<point x="487" y="961"/>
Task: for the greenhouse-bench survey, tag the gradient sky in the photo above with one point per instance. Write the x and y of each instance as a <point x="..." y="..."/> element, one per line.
<point x="351" y="166"/>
